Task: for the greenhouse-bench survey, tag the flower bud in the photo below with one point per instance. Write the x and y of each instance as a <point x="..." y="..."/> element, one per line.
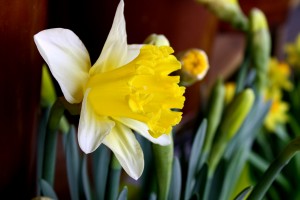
<point x="194" y="66"/>
<point x="48" y="95"/>
<point x="229" y="11"/>
<point x="157" y="40"/>
<point x="260" y="46"/>
<point x="236" y="113"/>
<point x="233" y="118"/>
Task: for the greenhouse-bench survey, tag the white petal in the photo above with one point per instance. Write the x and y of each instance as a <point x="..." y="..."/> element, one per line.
<point x="115" y="49"/>
<point x="132" y="53"/>
<point x="92" y="128"/>
<point x="142" y="129"/>
<point x="126" y="148"/>
<point x="67" y="58"/>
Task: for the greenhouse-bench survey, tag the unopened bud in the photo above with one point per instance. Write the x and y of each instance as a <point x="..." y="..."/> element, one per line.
<point x="236" y="112"/>
<point x="234" y="117"/>
<point x="260" y="46"/>
<point x="194" y="66"/>
<point x="229" y="11"/>
<point x="48" y="95"/>
<point x="157" y="40"/>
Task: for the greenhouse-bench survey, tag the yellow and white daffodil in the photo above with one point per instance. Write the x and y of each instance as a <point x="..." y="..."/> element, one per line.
<point x="128" y="88"/>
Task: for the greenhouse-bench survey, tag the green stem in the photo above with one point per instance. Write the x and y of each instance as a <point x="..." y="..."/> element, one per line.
<point x="283" y="159"/>
<point x="163" y="157"/>
<point x="56" y="113"/>
<point x="40" y="146"/>
<point x="114" y="179"/>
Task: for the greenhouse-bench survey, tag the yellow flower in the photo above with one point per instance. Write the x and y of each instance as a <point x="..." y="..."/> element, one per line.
<point x="293" y="53"/>
<point x="278" y="76"/>
<point x="128" y="87"/>
<point x="229" y="91"/>
<point x="277" y="113"/>
<point x="194" y="66"/>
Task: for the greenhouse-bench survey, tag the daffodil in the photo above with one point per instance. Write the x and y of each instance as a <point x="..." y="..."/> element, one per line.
<point x="292" y="51"/>
<point x="279" y="76"/>
<point x="128" y="88"/>
<point x="277" y="113"/>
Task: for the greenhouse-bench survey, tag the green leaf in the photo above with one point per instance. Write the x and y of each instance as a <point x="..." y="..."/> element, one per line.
<point x="153" y="196"/>
<point x="47" y="190"/>
<point x="243" y="193"/>
<point x="214" y="114"/>
<point x="194" y="159"/>
<point x="233" y="172"/>
<point x="101" y="160"/>
<point x="201" y="179"/>
<point x="85" y="179"/>
<point x="73" y="163"/>
<point x="262" y="165"/>
<point x="214" y="184"/>
<point x="40" y="146"/>
<point x="175" y="187"/>
<point x="123" y="194"/>
<point x="281" y="132"/>
<point x="147" y="181"/>
<point x="55" y="115"/>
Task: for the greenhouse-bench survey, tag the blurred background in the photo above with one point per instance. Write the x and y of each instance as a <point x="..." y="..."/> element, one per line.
<point x="185" y="23"/>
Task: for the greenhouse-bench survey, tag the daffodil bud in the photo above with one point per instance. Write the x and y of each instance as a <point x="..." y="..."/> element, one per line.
<point x="48" y="95"/>
<point x="229" y="11"/>
<point x="236" y="113"/>
<point x="157" y="40"/>
<point x="163" y="157"/>
<point x="233" y="118"/>
<point x="216" y="104"/>
<point x="260" y="46"/>
<point x="194" y="66"/>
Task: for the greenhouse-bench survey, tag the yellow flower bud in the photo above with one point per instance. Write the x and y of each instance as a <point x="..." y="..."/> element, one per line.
<point x="194" y="66"/>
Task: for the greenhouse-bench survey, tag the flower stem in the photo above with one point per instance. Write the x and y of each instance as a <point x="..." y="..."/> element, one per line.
<point x="114" y="179"/>
<point x="56" y="113"/>
<point x="163" y="157"/>
<point x="283" y="159"/>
